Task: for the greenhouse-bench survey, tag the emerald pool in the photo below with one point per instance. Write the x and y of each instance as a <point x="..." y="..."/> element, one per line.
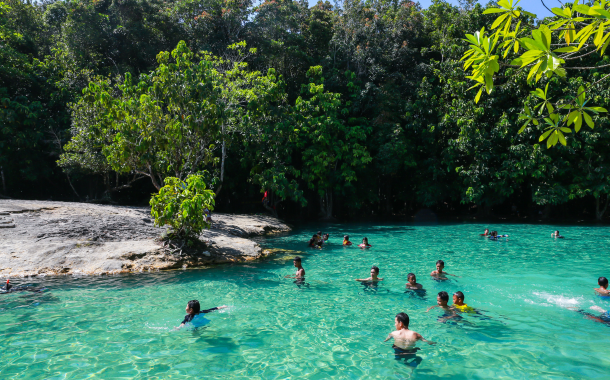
<point x="121" y="327"/>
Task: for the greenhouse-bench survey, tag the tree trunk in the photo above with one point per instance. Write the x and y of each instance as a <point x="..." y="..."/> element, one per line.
<point x="326" y="205"/>
<point x="3" y="180"/>
<point x="599" y="213"/>
<point x="222" y="166"/>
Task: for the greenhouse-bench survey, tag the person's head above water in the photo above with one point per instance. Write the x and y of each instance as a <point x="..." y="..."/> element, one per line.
<point x="411" y="277"/>
<point x="297" y="261"/>
<point x="458" y="297"/>
<point x="365" y="240"/>
<point x="602" y="281"/>
<point x="401" y="321"/>
<point x="486" y="230"/>
<point x="346" y="237"/>
<point x="494" y="233"/>
<point x="193" y="307"/>
<point x="440" y="265"/>
<point x="374" y="270"/>
<point x="319" y="233"/>
<point x="442" y="298"/>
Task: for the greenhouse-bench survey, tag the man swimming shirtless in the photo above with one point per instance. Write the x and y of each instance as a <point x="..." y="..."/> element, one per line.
<point x="374" y="275"/>
<point x="300" y="273"/>
<point x="404" y="339"/>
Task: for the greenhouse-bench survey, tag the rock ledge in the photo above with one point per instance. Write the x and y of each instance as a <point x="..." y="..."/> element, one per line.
<point x="49" y="238"/>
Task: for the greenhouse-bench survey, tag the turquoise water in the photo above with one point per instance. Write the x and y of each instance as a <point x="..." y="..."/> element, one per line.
<point x="112" y="327"/>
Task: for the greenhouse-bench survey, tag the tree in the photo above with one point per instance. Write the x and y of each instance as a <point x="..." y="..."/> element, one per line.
<point x="330" y="140"/>
<point x="555" y="46"/>
<point x="182" y="205"/>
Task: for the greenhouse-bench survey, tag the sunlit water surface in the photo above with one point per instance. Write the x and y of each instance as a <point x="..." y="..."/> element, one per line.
<point x="331" y="327"/>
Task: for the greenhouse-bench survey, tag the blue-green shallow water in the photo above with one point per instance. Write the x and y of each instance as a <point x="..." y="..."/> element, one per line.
<point x="121" y="326"/>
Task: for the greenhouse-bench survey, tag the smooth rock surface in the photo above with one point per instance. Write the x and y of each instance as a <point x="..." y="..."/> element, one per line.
<point x="81" y="238"/>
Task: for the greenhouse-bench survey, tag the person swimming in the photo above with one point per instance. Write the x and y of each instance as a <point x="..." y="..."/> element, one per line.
<point x="374" y="276"/>
<point x="194" y="314"/>
<point x="458" y="303"/>
<point x="556" y="235"/>
<point x="325" y="237"/>
<point x="486" y="233"/>
<point x="346" y="240"/>
<point x="438" y="273"/>
<point x="494" y="235"/>
<point x="412" y="284"/>
<point x="405" y="339"/>
<point x="603" y="287"/>
<point x="604" y="317"/>
<point x="441" y="301"/>
<point x="314" y="242"/>
<point x="365" y="243"/>
<point x="8" y="288"/>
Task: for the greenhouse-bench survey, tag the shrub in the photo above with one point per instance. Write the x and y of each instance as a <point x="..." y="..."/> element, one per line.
<point x="181" y="204"/>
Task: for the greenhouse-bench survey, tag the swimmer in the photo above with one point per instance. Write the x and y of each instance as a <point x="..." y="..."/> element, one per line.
<point x="346" y="240"/>
<point x="374" y="274"/>
<point x="300" y="273"/>
<point x="494" y="235"/>
<point x="325" y="237"/>
<point x="438" y="273"/>
<point x="603" y="318"/>
<point x="314" y="242"/>
<point x="412" y="284"/>
<point x="365" y="243"/>
<point x="8" y="288"/>
<point x="441" y="301"/>
<point x="603" y="287"/>
<point x="486" y="233"/>
<point x="556" y="235"/>
<point x="458" y="303"/>
<point x="404" y="339"/>
<point x="193" y="311"/>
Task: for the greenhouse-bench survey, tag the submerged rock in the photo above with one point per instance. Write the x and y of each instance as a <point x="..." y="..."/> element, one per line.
<point x="81" y="238"/>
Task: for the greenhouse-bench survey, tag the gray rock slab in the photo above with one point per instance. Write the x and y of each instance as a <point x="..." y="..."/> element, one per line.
<point x="81" y="238"/>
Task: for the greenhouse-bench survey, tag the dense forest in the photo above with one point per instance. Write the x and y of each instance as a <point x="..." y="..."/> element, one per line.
<point x="350" y="110"/>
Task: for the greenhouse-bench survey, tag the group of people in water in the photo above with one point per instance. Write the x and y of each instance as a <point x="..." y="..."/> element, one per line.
<point x="318" y="240"/>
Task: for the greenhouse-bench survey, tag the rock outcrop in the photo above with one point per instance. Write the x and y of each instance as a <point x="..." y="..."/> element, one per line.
<point x="39" y="238"/>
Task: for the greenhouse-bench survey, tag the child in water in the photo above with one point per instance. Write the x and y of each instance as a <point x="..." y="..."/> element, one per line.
<point x="404" y="339"/>
<point x="346" y="240"/>
<point x="365" y="243"/>
<point x="603" y="287"/>
<point x="438" y="273"/>
<point x="486" y="233"/>
<point x="325" y="237"/>
<point x="458" y="303"/>
<point x="441" y="301"/>
<point x="412" y="284"/>
<point x="194" y="314"/>
<point x="374" y="274"/>
<point x="556" y="235"/>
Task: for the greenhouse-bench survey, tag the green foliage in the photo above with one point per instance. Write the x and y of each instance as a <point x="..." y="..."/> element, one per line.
<point x="181" y="205"/>
<point x="584" y="30"/>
